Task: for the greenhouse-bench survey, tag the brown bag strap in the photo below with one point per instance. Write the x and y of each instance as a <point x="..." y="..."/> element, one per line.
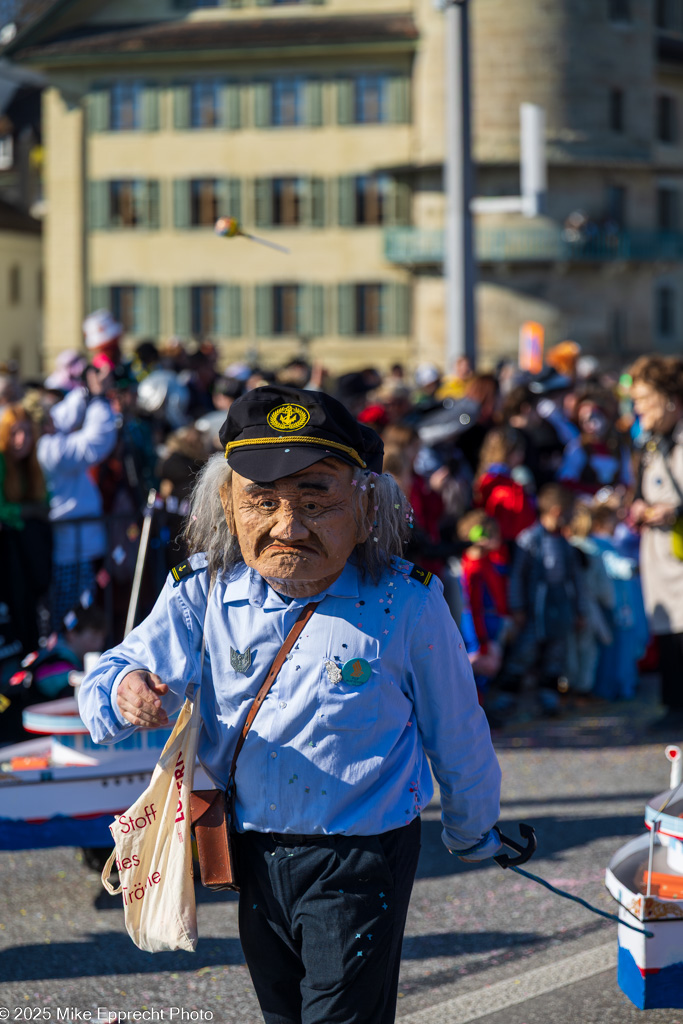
<point x="294" y="634"/>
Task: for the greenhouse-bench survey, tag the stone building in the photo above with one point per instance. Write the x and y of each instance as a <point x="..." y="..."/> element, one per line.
<point x="320" y="125"/>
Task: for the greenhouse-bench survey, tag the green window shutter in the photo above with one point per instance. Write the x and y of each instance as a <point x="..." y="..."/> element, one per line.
<point x="231" y="112"/>
<point x="181" y="204"/>
<point x="316" y="192"/>
<point x="263" y="297"/>
<point x="314" y="103"/>
<point x="100" y="297"/>
<point x="181" y="107"/>
<point x="182" y="325"/>
<point x="396" y="309"/>
<point x="346" y="190"/>
<point x="346" y="309"/>
<point x="345" y="97"/>
<point x="229" y="311"/>
<point x="398" y="204"/>
<point x="98" y="205"/>
<point x="150" y="108"/>
<point x="403" y="204"/>
<point x="399" y="99"/>
<point x="263" y="3"/>
<point x="263" y="104"/>
<point x="229" y="192"/>
<point x="147" y="311"/>
<point x="312" y="311"/>
<point x="152" y="205"/>
<point x="263" y="202"/>
<point x="98" y="109"/>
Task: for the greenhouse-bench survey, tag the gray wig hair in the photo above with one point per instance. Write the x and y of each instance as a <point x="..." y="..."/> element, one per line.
<point x="388" y="517"/>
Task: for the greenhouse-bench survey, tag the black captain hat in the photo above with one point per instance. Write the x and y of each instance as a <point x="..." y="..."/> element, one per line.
<point x="275" y="431"/>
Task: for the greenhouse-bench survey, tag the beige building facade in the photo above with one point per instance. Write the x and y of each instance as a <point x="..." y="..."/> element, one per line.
<point x="320" y="126"/>
<point x="21" y="292"/>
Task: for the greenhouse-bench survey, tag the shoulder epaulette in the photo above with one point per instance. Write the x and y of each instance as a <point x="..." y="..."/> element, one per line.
<point x="184" y="571"/>
<point x="421" y="575"/>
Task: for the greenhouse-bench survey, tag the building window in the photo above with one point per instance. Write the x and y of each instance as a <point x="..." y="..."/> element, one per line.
<point x="616" y="110"/>
<point x="287" y="194"/>
<point x="125" y="106"/>
<point x="127" y="204"/>
<point x="288" y="98"/>
<point x="666" y="119"/>
<point x="374" y="99"/>
<point x="372" y="198"/>
<point x="203" y="311"/>
<point x="204" y="202"/>
<point x="193" y="5"/>
<point x="6" y="153"/>
<point x="619" y="10"/>
<point x="669" y="15"/>
<point x="668" y="209"/>
<point x="205" y="103"/>
<point x="616" y="204"/>
<point x="665" y="311"/>
<point x="369" y="309"/>
<point x="371" y="106"/>
<point x="14" y="285"/>
<point x="122" y="299"/>
<point x="285" y="309"/>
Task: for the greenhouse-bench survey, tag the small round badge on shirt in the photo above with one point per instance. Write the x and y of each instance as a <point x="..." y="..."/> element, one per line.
<point x="356" y="671"/>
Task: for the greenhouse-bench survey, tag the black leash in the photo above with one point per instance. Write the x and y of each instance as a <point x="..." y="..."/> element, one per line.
<point x="525" y="853"/>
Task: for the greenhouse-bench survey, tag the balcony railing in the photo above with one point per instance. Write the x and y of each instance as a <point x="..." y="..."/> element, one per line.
<point x="416" y="247"/>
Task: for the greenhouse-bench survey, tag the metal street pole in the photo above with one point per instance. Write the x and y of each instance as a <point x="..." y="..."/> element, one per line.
<point x="459" y="267"/>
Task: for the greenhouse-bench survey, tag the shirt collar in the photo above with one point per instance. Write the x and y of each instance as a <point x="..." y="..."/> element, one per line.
<point x="244" y="584"/>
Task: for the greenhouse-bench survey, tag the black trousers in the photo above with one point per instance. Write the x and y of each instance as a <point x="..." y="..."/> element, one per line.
<point x="322" y="924"/>
<point x="671" y="668"/>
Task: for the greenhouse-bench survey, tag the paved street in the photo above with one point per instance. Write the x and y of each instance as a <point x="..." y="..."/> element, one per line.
<point x="482" y="944"/>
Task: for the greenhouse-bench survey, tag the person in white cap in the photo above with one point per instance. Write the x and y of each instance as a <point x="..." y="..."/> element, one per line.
<point x="102" y="334"/>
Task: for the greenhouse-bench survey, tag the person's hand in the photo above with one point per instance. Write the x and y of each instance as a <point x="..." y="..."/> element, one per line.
<point x="98" y="380"/>
<point x="491" y="846"/>
<point x="638" y="510"/>
<point x="580" y="623"/>
<point x="139" y="699"/>
<point x="660" y="515"/>
<point x="439" y="478"/>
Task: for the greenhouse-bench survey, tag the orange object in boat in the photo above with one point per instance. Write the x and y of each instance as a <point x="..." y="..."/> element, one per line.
<point x="22" y="764"/>
<point x="667" y="887"/>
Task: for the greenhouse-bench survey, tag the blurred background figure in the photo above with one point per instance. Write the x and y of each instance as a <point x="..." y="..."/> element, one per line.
<point x="82" y="434"/>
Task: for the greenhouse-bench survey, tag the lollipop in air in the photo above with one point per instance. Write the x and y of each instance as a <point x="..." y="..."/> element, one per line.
<point x="229" y="227"/>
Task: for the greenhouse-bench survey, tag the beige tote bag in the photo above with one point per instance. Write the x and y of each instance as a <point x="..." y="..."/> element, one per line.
<point x="153" y="849"/>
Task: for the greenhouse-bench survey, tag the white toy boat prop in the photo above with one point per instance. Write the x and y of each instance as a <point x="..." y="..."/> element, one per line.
<point x="646" y="879"/>
<point x="61" y="789"/>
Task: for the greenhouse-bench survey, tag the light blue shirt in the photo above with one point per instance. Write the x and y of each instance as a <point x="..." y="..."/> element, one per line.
<point x="322" y="756"/>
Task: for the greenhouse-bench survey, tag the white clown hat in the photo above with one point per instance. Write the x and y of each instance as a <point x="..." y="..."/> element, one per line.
<point x="100" y="328"/>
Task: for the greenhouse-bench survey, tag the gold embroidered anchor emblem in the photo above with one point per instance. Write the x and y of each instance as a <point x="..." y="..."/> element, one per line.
<point x="288" y="417"/>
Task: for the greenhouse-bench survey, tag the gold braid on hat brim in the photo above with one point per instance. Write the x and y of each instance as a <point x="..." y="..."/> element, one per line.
<point x="298" y="439"/>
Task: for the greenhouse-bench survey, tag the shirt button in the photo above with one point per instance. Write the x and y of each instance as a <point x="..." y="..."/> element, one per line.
<point x="283" y="704"/>
<point x="273" y="806"/>
<point x="273" y="754"/>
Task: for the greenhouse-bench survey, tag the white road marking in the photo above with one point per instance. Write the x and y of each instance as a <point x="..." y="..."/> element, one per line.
<point x="492" y="999"/>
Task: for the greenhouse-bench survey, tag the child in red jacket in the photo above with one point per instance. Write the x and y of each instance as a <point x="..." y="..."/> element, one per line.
<point x="495" y="490"/>
<point x="485" y="592"/>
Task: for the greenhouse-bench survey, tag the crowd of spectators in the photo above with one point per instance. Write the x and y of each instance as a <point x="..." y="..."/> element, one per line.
<point x="549" y="505"/>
